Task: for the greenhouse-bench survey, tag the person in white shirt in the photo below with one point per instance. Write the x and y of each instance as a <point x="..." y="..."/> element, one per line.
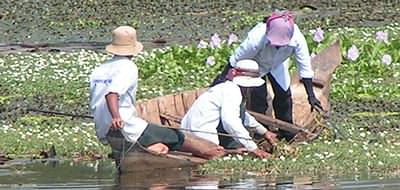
<point x="223" y="102"/>
<point x="113" y="88"/>
<point x="270" y="44"/>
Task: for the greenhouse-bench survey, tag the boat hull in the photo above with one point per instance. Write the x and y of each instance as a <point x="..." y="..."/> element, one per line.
<point x="169" y="109"/>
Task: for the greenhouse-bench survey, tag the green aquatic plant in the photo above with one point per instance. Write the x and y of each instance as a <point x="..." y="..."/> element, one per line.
<point x="59" y="82"/>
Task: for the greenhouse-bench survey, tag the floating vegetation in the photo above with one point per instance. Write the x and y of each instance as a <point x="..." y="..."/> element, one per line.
<point x="367" y="81"/>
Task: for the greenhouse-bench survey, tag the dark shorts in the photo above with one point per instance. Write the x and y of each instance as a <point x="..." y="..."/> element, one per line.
<point x="155" y="134"/>
<point x="151" y="135"/>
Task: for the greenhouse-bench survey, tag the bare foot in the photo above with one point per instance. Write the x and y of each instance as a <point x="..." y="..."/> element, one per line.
<point x="158" y="148"/>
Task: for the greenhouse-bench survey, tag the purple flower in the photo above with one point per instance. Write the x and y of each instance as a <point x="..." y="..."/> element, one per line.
<point x="232" y="38"/>
<point x="382" y="36"/>
<point x="353" y="53"/>
<point x="215" y="41"/>
<point x="210" y="61"/>
<point x="202" y="44"/>
<point x="318" y="35"/>
<point x="386" y="59"/>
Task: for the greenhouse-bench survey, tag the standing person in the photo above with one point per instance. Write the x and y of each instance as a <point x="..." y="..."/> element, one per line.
<point x="270" y="44"/>
<point x="113" y="88"/>
<point x="224" y="102"/>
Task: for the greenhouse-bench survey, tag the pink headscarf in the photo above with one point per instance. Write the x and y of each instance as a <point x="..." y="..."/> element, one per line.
<point x="280" y="26"/>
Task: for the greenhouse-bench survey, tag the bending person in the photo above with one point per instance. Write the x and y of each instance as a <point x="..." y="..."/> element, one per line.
<point x="271" y="43"/>
<point x="225" y="102"/>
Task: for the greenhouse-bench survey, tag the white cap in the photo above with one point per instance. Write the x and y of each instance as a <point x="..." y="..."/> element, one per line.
<point x="247" y="74"/>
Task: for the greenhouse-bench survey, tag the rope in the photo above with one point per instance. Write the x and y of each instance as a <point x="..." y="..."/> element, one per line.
<point x="182" y="129"/>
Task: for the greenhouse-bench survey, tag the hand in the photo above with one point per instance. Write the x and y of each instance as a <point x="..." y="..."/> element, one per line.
<point x="117" y="123"/>
<point x="158" y="148"/>
<point x="271" y="137"/>
<point x="315" y="104"/>
<point x="260" y="153"/>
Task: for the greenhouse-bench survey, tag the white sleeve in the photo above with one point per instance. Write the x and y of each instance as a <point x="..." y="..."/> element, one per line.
<point x="125" y="78"/>
<point x="230" y="117"/>
<point x="249" y="48"/>
<point x="302" y="55"/>
<point x="251" y="122"/>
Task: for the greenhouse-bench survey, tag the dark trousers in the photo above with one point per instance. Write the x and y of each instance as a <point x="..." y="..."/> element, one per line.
<point x="282" y="103"/>
<point x="151" y="135"/>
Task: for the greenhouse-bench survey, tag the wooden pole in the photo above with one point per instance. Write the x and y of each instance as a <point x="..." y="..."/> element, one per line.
<point x="272" y="122"/>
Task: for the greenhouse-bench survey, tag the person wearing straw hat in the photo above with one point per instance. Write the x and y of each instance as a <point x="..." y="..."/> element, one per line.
<point x="224" y="102"/>
<point x="271" y="43"/>
<point x="113" y="88"/>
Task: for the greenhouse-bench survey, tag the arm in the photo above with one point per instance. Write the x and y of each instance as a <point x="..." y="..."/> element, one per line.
<point x="302" y="55"/>
<point x="230" y="117"/>
<point x="250" y="121"/>
<point x="121" y="81"/>
<point x="306" y="73"/>
<point x="249" y="48"/>
<point x="112" y="104"/>
<point x="233" y="125"/>
<point x="314" y="102"/>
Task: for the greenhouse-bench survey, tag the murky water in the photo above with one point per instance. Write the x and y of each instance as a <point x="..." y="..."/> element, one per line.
<point x="101" y="175"/>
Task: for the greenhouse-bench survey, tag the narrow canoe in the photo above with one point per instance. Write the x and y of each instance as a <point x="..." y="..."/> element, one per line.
<point x="169" y="109"/>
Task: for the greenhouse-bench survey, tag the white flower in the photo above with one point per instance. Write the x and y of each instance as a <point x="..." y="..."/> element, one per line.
<point x="264" y="160"/>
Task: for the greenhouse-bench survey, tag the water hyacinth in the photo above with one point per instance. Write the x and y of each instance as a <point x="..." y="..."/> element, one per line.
<point x="19" y="71"/>
<point x="232" y="38"/>
<point x="353" y="53"/>
<point x="318" y="35"/>
<point x="386" y="59"/>
<point x="210" y="61"/>
<point x="215" y="41"/>
<point x="202" y="44"/>
<point x="382" y="37"/>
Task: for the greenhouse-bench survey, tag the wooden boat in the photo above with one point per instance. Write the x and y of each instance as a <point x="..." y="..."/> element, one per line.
<point x="168" y="111"/>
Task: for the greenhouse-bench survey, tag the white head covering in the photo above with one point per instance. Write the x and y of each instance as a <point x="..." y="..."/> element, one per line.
<point x="247" y="74"/>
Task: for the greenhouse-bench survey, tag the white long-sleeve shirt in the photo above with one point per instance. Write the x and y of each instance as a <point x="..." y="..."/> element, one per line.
<point x="220" y="102"/>
<point x="273" y="60"/>
<point x="118" y="75"/>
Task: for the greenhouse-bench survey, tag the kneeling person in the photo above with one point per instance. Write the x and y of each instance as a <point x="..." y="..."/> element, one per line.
<point x="225" y="102"/>
<point x="113" y="88"/>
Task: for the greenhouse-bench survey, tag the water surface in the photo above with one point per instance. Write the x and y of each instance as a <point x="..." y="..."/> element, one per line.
<point x="101" y="174"/>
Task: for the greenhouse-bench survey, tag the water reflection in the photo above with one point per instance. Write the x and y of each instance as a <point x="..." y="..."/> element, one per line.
<point x="101" y="174"/>
<point x="53" y="174"/>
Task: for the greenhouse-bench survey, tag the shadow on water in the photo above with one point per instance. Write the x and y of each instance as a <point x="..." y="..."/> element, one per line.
<point x="101" y="175"/>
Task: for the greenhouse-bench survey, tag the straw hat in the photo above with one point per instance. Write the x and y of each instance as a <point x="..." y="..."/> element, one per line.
<point x="246" y="74"/>
<point x="280" y="27"/>
<point x="124" y="42"/>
